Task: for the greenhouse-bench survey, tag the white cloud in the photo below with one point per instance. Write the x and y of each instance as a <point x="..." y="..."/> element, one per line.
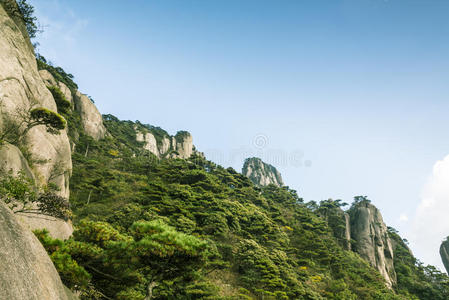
<point x="431" y="223"/>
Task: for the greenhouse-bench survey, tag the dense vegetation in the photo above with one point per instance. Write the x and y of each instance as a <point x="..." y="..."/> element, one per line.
<point x="190" y="229"/>
<point x="149" y="228"/>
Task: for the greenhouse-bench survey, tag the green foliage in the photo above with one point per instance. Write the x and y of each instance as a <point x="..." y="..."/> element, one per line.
<point x="269" y="240"/>
<point x="190" y="229"/>
<point x="15" y="190"/>
<point x="58" y="73"/>
<point x="416" y="280"/>
<point x="23" y="14"/>
<point x="146" y="260"/>
<point x="28" y="18"/>
<point x="61" y="101"/>
<point x="22" y="196"/>
<point x="52" y="120"/>
<point x="54" y="205"/>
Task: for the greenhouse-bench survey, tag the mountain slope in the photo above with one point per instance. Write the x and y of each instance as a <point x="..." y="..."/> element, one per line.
<point x="154" y="219"/>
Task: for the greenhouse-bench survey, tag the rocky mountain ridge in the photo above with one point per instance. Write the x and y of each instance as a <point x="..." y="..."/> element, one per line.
<point x="163" y="145"/>
<point x="47" y="159"/>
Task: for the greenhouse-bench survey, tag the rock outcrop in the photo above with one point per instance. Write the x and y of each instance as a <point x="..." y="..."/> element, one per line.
<point x="91" y="118"/>
<point x="444" y="253"/>
<point x="26" y="270"/>
<point x="372" y="241"/>
<point x="339" y="221"/>
<point x="22" y="88"/>
<point x="261" y="173"/>
<point x="163" y="145"/>
<point x="12" y="161"/>
<point x="48" y="158"/>
<point x="49" y="80"/>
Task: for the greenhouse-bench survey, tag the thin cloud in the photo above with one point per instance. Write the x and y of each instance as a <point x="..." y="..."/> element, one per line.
<point x="431" y="223"/>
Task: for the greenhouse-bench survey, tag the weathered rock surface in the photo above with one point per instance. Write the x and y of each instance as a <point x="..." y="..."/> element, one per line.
<point x="444" y="253"/>
<point x="149" y="140"/>
<point x="67" y="93"/>
<point x="12" y="160"/>
<point x="21" y="87"/>
<point x="48" y="79"/>
<point x="261" y="173"/>
<point x="26" y="270"/>
<point x="372" y="241"/>
<point x="91" y="118"/>
<point x="57" y="228"/>
<point x="347" y="234"/>
<point x="178" y="146"/>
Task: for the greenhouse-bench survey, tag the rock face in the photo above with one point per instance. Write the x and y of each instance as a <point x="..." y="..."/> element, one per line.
<point x="182" y="144"/>
<point x="91" y="118"/>
<point x="340" y="223"/>
<point x="372" y="241"/>
<point x="12" y="160"/>
<point x="21" y="88"/>
<point x="347" y="234"/>
<point x="27" y="271"/>
<point x="49" y="80"/>
<point x="444" y="253"/>
<point x="150" y="143"/>
<point x="261" y="173"/>
<point x="163" y="145"/>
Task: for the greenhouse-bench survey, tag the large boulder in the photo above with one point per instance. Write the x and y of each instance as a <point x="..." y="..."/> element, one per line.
<point x="372" y="241"/>
<point x="91" y="118"/>
<point x="27" y="271"/>
<point x="261" y="173"/>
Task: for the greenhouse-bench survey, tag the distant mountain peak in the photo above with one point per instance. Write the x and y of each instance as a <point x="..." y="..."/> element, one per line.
<point x="261" y="173"/>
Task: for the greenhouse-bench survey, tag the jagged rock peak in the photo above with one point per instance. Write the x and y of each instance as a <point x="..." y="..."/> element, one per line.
<point x="261" y="173"/>
<point x="161" y="144"/>
<point x="372" y="241"/>
<point x="444" y="253"/>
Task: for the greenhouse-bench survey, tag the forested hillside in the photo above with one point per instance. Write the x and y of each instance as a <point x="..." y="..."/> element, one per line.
<point x="189" y="229"/>
<point x="154" y="219"/>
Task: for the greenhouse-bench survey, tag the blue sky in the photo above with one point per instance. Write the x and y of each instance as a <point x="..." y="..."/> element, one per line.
<point x="345" y="97"/>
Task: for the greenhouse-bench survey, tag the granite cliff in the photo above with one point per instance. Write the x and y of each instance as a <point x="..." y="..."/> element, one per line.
<point x="261" y="173"/>
<point x="372" y="241"/>
<point x="161" y="144"/>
